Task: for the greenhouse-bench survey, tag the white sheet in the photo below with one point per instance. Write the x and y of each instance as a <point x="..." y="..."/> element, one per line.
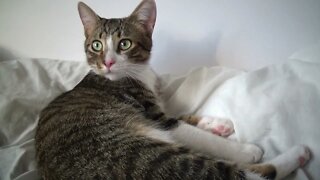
<point x="26" y="86"/>
<point x="275" y="107"/>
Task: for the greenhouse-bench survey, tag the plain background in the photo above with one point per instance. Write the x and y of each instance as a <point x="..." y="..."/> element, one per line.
<point x="245" y="34"/>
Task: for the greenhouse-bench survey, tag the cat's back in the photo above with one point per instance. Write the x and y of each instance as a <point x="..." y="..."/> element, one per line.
<point x="93" y="94"/>
<point x="76" y="129"/>
<point x="92" y="97"/>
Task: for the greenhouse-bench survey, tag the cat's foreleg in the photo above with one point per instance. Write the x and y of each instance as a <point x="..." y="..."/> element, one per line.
<point x="216" y="146"/>
<point x="200" y="140"/>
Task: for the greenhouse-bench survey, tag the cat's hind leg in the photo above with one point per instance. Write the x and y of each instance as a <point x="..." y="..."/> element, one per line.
<point x="282" y="165"/>
<point x="290" y="160"/>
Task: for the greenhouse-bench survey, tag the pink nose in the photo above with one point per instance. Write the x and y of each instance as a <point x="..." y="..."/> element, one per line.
<point x="109" y="63"/>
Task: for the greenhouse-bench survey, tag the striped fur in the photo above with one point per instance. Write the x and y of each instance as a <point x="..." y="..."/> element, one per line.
<point x="96" y="131"/>
<point x="108" y="129"/>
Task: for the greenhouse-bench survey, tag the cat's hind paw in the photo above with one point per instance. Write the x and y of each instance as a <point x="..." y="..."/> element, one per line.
<point x="290" y="160"/>
<point x="303" y="153"/>
<point x="218" y="126"/>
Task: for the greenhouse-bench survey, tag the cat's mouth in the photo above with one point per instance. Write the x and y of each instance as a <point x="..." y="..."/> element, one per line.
<point x="110" y="73"/>
<point x="107" y="70"/>
<point x="103" y="69"/>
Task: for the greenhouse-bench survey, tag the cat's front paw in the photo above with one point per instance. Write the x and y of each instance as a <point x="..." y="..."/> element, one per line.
<point x="218" y="126"/>
<point x="249" y="153"/>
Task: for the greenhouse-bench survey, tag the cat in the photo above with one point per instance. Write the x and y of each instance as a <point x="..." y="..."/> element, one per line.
<point x="111" y="124"/>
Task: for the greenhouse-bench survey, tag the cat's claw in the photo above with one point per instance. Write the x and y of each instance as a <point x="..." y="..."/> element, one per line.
<point x="219" y="126"/>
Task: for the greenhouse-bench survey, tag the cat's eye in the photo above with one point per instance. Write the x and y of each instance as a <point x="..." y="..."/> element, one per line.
<point x="97" y="45"/>
<point x="125" y="44"/>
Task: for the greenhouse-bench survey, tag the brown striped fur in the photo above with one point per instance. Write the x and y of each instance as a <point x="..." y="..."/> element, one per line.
<point x="190" y="119"/>
<point x="97" y="130"/>
<point x="267" y="170"/>
<point x="92" y="132"/>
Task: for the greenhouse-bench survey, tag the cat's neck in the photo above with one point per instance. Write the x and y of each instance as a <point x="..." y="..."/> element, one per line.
<point x="152" y="82"/>
<point x="150" y="79"/>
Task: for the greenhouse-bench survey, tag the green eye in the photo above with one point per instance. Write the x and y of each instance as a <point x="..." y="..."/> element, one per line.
<point x="96" y="45"/>
<point x="125" y="44"/>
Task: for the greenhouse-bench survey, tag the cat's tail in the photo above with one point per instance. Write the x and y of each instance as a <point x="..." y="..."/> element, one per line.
<point x="281" y="166"/>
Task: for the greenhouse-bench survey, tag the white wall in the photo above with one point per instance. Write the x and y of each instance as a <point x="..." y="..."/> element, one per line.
<point x="244" y="34"/>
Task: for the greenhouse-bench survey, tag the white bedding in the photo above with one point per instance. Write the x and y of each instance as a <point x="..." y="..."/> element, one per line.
<point x="275" y="107"/>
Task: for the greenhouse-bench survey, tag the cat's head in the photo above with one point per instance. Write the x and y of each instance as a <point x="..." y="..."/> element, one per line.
<point x="119" y="47"/>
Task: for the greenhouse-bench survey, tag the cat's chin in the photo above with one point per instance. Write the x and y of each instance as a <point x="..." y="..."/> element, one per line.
<point x="113" y="76"/>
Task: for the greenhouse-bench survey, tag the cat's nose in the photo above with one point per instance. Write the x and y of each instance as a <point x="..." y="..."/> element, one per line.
<point x="109" y="63"/>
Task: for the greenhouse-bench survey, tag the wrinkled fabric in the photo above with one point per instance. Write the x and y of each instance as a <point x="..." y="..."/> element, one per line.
<point x="27" y="86"/>
<point x="275" y="107"/>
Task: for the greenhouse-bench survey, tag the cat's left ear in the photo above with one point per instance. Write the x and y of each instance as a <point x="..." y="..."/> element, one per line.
<point x="146" y="14"/>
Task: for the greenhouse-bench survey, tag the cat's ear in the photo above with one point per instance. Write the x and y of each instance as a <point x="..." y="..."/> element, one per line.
<point x="146" y="13"/>
<point x="88" y="17"/>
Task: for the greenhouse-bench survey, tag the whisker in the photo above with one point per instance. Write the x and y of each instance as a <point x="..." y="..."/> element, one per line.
<point x="132" y="65"/>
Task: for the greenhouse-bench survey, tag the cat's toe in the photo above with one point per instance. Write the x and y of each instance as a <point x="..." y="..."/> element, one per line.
<point x="219" y="126"/>
<point x="222" y="130"/>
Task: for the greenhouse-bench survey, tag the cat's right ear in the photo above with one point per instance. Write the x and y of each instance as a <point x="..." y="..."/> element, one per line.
<point x="88" y="17"/>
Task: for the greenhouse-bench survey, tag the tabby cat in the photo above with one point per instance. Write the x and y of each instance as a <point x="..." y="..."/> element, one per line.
<point x="111" y="125"/>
